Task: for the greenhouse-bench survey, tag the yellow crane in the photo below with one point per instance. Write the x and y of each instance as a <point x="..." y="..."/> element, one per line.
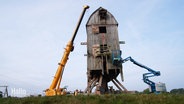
<point x="54" y="88"/>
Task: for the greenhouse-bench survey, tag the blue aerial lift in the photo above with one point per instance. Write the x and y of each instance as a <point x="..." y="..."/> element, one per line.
<point x="116" y="59"/>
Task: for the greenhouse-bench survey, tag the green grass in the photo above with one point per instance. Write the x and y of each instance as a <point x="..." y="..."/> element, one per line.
<point x="102" y="99"/>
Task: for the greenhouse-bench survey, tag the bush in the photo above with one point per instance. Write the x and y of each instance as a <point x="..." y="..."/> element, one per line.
<point x="177" y="91"/>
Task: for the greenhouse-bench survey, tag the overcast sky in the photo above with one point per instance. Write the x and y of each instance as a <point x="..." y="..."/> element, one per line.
<point x="33" y="34"/>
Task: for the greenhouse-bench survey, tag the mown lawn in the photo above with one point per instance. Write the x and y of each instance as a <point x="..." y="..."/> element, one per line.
<point x="102" y="99"/>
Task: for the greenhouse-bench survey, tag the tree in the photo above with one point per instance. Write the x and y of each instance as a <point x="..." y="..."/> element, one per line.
<point x="1" y="94"/>
<point x="177" y="91"/>
<point x="146" y="91"/>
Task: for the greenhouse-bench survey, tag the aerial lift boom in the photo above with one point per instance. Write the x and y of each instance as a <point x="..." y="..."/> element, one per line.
<point x="118" y="60"/>
<point x="151" y="73"/>
<point x="54" y="88"/>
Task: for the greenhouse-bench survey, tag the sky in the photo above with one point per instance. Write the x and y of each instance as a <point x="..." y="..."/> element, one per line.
<point x="34" y="33"/>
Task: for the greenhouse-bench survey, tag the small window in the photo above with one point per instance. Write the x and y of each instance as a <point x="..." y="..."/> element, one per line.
<point x="102" y="29"/>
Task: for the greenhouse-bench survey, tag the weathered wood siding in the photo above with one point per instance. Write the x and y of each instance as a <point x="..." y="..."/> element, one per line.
<point x="95" y="38"/>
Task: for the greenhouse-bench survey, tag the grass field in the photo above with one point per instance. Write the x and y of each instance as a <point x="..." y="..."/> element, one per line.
<point x="102" y="99"/>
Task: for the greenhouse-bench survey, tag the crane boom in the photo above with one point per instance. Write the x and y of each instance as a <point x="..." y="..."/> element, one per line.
<point x="53" y="90"/>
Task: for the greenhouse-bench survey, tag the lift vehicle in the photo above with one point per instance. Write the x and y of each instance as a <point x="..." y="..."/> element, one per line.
<point x="118" y="60"/>
<point x="54" y="88"/>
